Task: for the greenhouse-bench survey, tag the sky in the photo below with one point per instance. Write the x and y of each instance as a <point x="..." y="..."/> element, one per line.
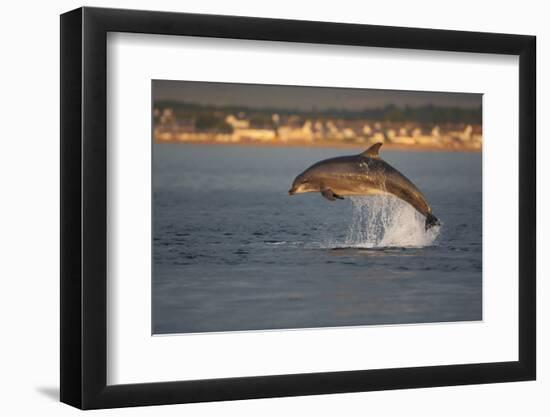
<point x="303" y="98"/>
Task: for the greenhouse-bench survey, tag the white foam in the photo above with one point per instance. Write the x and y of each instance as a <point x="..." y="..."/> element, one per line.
<point x="386" y="221"/>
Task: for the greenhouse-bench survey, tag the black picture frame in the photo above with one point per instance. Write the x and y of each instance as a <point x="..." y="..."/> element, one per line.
<point x="84" y="207"/>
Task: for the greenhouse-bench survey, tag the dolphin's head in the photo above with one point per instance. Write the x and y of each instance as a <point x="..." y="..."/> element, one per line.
<point x="304" y="183"/>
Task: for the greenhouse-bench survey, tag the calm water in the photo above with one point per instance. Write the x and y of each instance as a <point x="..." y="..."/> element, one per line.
<point x="233" y="251"/>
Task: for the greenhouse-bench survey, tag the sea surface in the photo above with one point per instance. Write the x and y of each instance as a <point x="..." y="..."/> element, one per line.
<point x="233" y="251"/>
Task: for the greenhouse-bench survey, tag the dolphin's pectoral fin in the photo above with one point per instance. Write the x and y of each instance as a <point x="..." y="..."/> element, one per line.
<point x="329" y="195"/>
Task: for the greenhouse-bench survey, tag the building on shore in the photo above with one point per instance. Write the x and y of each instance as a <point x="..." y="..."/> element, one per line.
<point x="274" y="128"/>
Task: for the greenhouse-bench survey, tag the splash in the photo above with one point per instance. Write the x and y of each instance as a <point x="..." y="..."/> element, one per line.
<point x="386" y="221"/>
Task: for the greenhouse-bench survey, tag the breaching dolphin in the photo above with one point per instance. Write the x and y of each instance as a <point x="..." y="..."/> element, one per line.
<point x="363" y="174"/>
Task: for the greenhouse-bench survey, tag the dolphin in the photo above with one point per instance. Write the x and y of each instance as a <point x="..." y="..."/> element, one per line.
<point x="363" y="174"/>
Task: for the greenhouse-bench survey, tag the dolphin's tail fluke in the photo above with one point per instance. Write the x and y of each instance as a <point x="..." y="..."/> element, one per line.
<point x="431" y="221"/>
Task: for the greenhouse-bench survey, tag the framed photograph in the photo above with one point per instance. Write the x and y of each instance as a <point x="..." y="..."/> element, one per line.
<point x="258" y="208"/>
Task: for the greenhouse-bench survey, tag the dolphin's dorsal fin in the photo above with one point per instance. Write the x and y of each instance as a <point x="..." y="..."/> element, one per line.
<point x="373" y="150"/>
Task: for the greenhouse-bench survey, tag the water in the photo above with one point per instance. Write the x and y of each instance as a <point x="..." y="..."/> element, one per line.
<point x="233" y="251"/>
<point x="385" y="222"/>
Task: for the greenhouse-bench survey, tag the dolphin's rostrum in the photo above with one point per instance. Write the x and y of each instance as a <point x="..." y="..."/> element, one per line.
<point x="363" y="174"/>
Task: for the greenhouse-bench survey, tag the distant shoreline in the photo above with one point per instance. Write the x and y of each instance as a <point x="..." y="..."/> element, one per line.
<point x="322" y="144"/>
